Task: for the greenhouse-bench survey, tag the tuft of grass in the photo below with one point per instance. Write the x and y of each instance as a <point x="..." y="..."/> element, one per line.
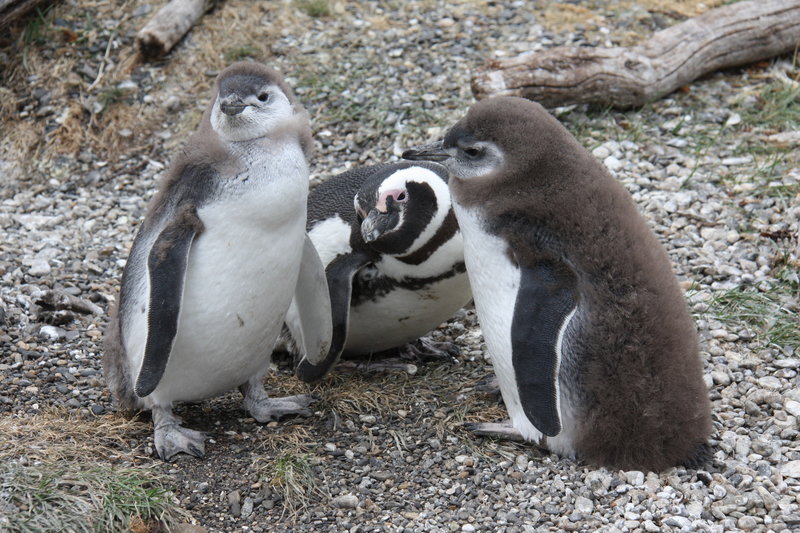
<point x="35" y="31"/>
<point x="773" y="315"/>
<point x="238" y="53"/>
<point x="71" y="497"/>
<point x="110" y="96"/>
<point x="293" y="477"/>
<point x="314" y="8"/>
<point x="777" y="106"/>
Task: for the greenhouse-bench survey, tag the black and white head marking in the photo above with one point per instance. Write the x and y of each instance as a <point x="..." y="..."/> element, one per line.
<point x="401" y="212"/>
<point x="249" y="106"/>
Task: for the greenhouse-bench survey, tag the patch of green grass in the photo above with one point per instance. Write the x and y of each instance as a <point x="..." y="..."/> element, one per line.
<point x="772" y="315"/>
<point x="110" y="96"/>
<point x="314" y="8"/>
<point x="777" y="106"/>
<point x="240" y="52"/>
<point x="292" y="476"/>
<point x="69" y="497"/>
<point x="35" y="32"/>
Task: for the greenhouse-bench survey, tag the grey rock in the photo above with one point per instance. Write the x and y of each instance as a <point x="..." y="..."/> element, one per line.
<point x="347" y="501"/>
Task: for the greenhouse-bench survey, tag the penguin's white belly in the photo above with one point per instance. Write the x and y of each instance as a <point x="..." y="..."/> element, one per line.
<point x="495" y="281"/>
<point x="240" y="279"/>
<point x="403" y="315"/>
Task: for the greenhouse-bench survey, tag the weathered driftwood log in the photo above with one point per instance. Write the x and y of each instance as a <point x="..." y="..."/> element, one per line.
<point x="168" y="26"/>
<point x="12" y="10"/>
<point x="725" y="37"/>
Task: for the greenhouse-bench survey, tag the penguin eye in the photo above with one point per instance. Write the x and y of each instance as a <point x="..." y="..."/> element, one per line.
<point x="401" y="197"/>
<point x="472" y="152"/>
<point x="263" y="97"/>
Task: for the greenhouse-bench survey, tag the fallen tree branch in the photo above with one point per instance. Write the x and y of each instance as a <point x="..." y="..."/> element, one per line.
<point x="725" y="37"/>
<point x="168" y="26"/>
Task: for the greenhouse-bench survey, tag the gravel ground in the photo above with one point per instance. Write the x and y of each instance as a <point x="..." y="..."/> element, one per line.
<point x="87" y="132"/>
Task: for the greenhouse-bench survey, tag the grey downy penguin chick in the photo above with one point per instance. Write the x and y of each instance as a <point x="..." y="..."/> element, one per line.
<point x="218" y="259"/>
<point x="589" y="333"/>
<point x="394" y="257"/>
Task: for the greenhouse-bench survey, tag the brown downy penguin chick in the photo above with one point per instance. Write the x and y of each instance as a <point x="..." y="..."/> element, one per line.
<point x="220" y="256"/>
<point x="589" y="333"/>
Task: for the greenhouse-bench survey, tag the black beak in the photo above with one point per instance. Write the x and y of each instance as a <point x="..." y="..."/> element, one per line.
<point x="377" y="224"/>
<point x="428" y="152"/>
<point x="231" y="106"/>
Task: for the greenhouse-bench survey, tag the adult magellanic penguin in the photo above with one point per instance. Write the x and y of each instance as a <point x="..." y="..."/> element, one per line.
<point x="587" y="328"/>
<point x="394" y="257"/>
<point x="218" y="259"/>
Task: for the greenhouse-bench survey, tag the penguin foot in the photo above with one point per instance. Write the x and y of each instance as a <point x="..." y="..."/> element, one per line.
<point x="499" y="430"/>
<point x="424" y="349"/>
<point x="489" y="385"/>
<point x="171" y="438"/>
<point x="269" y="409"/>
<point x="384" y="365"/>
<point x="174" y="439"/>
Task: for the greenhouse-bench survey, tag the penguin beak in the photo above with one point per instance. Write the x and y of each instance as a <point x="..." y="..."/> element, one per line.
<point x="376" y="224"/>
<point x="231" y="105"/>
<point x="428" y="152"/>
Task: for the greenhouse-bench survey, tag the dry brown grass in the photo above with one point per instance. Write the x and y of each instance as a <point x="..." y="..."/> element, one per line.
<point x="56" y="436"/>
<point x="237" y="29"/>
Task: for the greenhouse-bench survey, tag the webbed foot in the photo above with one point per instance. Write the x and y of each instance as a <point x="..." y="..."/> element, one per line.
<point x="424" y="349"/>
<point x="171" y="438"/>
<point x="501" y="430"/>
<point x="265" y="409"/>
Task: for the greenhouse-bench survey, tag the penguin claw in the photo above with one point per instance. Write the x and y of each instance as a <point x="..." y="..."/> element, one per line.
<point x="500" y="430"/>
<point x="273" y="409"/>
<point x="424" y="349"/>
<point x="173" y="439"/>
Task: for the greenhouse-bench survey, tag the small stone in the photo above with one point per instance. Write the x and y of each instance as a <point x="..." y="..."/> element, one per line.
<point x="97" y="409"/>
<point x="601" y="152"/>
<point x="234" y="501"/>
<point x="747" y="523"/>
<point x="770" y="382"/>
<point x="368" y="419"/>
<point x="721" y="378"/>
<point x="650" y="526"/>
<point x="678" y="521"/>
<point x="585" y="505"/>
<point x="247" y="507"/>
<point x="173" y="103"/>
<point x="792" y="407"/>
<point x="52" y="333"/>
<point x="348" y="501"/>
<point x="790" y="469"/>
<point x="635" y="478"/>
<point x="125" y="133"/>
<point x="612" y="163"/>
<point x="39" y="267"/>
<point x="468" y="528"/>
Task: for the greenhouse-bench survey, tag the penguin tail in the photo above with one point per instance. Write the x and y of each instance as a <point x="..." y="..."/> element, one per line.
<point x="700" y="457"/>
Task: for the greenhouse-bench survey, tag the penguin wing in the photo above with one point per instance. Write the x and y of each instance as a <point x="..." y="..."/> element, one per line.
<point x="340" y="274"/>
<point x="166" y="267"/>
<point x="309" y="318"/>
<point x="545" y="304"/>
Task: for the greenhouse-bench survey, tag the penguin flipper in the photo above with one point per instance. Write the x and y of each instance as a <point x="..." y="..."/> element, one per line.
<point x="166" y="267"/>
<point x="340" y="274"/>
<point x="309" y="317"/>
<point x="545" y="304"/>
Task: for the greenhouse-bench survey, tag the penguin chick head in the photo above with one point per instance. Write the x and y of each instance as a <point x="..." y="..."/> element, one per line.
<point x="501" y="136"/>
<point x="252" y="100"/>
<point x="400" y="209"/>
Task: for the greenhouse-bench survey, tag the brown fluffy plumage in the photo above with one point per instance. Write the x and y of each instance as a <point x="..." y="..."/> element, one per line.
<point x="634" y="351"/>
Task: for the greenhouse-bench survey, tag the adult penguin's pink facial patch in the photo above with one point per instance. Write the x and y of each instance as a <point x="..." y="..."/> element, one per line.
<point x="397" y="195"/>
